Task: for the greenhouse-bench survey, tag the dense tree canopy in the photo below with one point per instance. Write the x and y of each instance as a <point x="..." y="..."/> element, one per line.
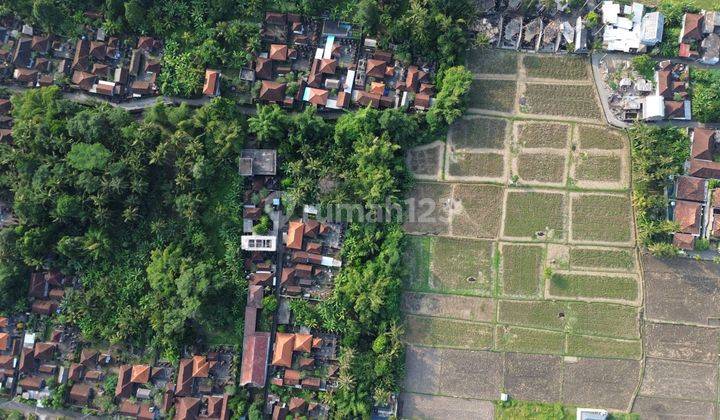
<point x="145" y="213"/>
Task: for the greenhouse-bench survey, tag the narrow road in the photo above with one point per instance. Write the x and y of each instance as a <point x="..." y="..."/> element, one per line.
<point x="45" y="413"/>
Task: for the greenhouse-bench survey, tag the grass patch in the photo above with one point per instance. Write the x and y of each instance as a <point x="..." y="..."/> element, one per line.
<point x="526" y="340"/>
<point x="522" y="410"/>
<point x="556" y="67"/>
<point x="491" y="61"/>
<point x="479" y="133"/>
<point x="416" y="257"/>
<point x="543" y="135"/>
<point x="602" y="258"/>
<point x="528" y="212"/>
<point x="604" y="319"/>
<point x="591" y="286"/>
<point x="562" y="100"/>
<point x="477" y="164"/>
<point x="521" y="268"/>
<point x="494" y="95"/>
<point x="536" y="313"/>
<point x="480" y="209"/>
<point x="604" y="218"/>
<point x="599" y="138"/>
<point x="599" y="168"/>
<point x="439" y="332"/>
<point x="586" y="346"/>
<point x="541" y="167"/>
<point x="454" y="260"/>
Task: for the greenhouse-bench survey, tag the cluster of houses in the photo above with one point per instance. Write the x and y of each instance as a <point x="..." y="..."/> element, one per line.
<point x="111" y="67"/>
<point x="700" y="37"/>
<point x="35" y="365"/>
<point x="695" y="200"/>
<point x="324" y="63"/>
<point x="286" y="261"/>
<point x="629" y="29"/>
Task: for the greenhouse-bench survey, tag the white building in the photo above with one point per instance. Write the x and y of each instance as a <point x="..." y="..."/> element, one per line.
<point x="628" y="29"/>
<point x="653" y="108"/>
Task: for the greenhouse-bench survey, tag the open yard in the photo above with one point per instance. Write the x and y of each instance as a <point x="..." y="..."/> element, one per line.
<point x="594" y="137"/>
<point x="470" y="164"/>
<point x="440" y="332"/>
<point x="542" y="135"/>
<point x="561" y="68"/>
<point x="593" y="286"/>
<point x="599" y="217"/>
<point x="562" y="100"/>
<point x="493" y="95"/>
<point x="478" y="210"/>
<point x="521" y="269"/>
<point x="479" y="133"/>
<point x="529" y="212"/>
<point x="491" y="61"/>
<point x="598" y="168"/>
<point x="541" y="167"/>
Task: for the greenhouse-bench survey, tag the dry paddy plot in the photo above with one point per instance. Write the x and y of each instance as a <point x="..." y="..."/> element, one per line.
<point x="425" y="161"/>
<point x="528" y="213"/>
<point x="560" y="68"/>
<point x="541" y="168"/>
<point x="601" y="218"/>
<point x="469" y="308"/>
<point x="449" y="333"/>
<point x="478" y="210"/>
<point x="598" y="168"/>
<point x="472" y="165"/>
<point x="492" y="61"/>
<point x="478" y="133"/>
<point x="577" y="101"/>
<point x="602" y="258"/>
<point x="596" y="137"/>
<point x="521" y="269"/>
<point x="527" y="340"/>
<point x="433" y="201"/>
<point x="542" y="135"/>
<point x="589" y="346"/>
<point x="492" y="95"/>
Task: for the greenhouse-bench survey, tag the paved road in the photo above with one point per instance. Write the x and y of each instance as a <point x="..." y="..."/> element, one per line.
<point x="44" y="413"/>
<point x="610" y="117"/>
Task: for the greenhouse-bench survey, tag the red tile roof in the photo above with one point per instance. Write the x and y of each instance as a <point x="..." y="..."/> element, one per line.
<point x="303" y="343"/>
<point x="703" y="144"/>
<point x="278" y="52"/>
<point x="296" y="230"/>
<point x="690" y="188"/>
<point x="212" y="83"/>
<point x="123" y="389"/>
<point x="140" y="374"/>
<point x="263" y="68"/>
<point x="375" y="68"/>
<point x="282" y="353"/>
<point x="318" y="96"/>
<point x="187" y="408"/>
<point x="254" y="359"/>
<point x="328" y="66"/>
<point x="704" y="168"/>
<point x="684" y="241"/>
<point x="688" y="216"/>
<point x="692" y="27"/>
<point x="272" y="91"/>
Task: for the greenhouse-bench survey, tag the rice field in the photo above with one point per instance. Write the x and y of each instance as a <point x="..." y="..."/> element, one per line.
<point x="543" y="135"/>
<point x="530" y="212"/>
<point x="622" y="259"/>
<point x="593" y="286"/>
<point x="599" y="168"/>
<point x="562" y="100"/>
<point x="521" y="269"/>
<point x="599" y="217"/>
<point x="561" y="68"/>
<point x="491" y="61"/>
<point x="471" y="164"/>
<point x="541" y="167"/>
<point x="479" y="133"/>
<point x="594" y="137"/>
<point x="450" y="333"/>
<point x="493" y="95"/>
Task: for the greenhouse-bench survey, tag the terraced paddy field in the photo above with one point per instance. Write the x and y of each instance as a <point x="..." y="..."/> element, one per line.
<point x="529" y="282"/>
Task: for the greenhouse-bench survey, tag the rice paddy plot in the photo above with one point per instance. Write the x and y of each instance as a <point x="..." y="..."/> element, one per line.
<point x="601" y="217"/>
<point x="589" y="286"/>
<point x="542" y="135"/>
<point x="492" y="61"/>
<point x="603" y="319"/>
<point x="541" y="167"/>
<point x="478" y="210"/>
<point x="599" y="168"/>
<point x="526" y="340"/>
<point x="441" y="332"/>
<point x="529" y="212"/>
<point x="588" y="346"/>
<point x="521" y="269"/>
<point x="543" y="314"/>
<point x="478" y="133"/>
<point x="492" y="95"/>
<point x="469" y="164"/>
<point x="592" y="137"/>
<point x="461" y="266"/>
<point x="599" y="258"/>
<point x="562" y="100"/>
<point x="551" y="67"/>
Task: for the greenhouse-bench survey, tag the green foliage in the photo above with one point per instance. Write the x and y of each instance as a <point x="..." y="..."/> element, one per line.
<point x="270" y="124"/>
<point x="702" y="244"/>
<point x="88" y="157"/>
<point x="182" y="72"/>
<point x="450" y="101"/>
<point x="146" y="214"/>
<point x="512" y="410"/>
<point x="644" y="65"/>
<point x="264" y="225"/>
<point x="58" y="396"/>
<point x="663" y="250"/>
<point x="705" y="95"/>
<point x="657" y="154"/>
<point x="304" y="313"/>
<point x="270" y="303"/>
<point x="592" y="19"/>
<point x="110" y="383"/>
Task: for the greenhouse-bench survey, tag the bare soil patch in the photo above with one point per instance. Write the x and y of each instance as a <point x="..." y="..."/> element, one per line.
<point x="667" y="408"/>
<point x="417" y="406"/>
<point x="533" y="377"/>
<point x="676" y="379"/>
<point x="433" y="206"/>
<point x="425" y="161"/>
<point x="471" y="374"/>
<point x="467" y="308"/>
<point x="682" y="342"/>
<point x="600" y="382"/>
